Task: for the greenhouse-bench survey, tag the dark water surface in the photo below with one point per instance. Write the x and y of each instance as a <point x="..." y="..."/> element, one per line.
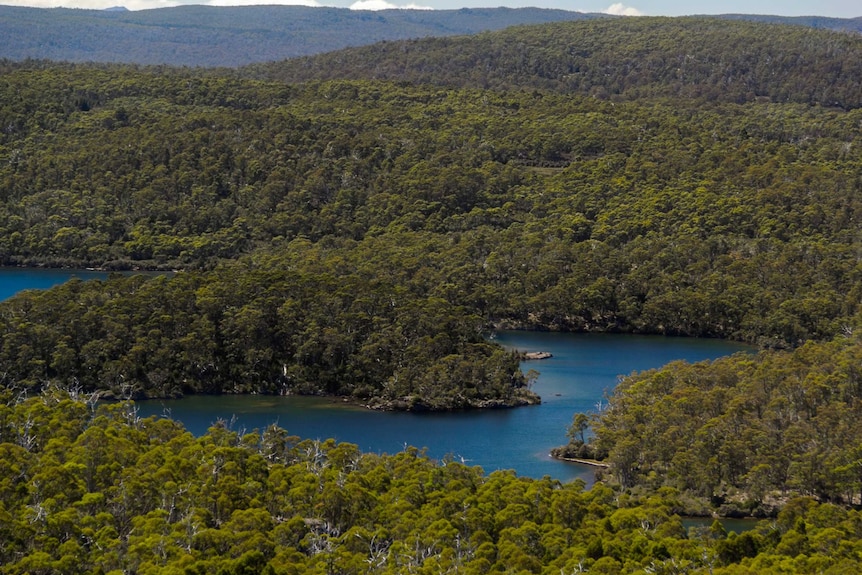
<point x="584" y="367"/>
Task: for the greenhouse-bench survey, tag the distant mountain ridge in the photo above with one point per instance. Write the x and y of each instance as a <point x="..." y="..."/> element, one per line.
<point x="824" y="22"/>
<point x="233" y="36"/>
<point x="238" y="35"/>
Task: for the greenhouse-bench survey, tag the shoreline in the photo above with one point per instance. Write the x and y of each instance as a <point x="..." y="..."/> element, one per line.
<point x="535" y="355"/>
<point x="590" y="462"/>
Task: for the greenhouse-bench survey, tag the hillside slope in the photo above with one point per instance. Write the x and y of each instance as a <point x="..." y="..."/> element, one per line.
<point x="362" y="234"/>
<point x="358" y="237"/>
<point x="426" y="214"/>
<point x="239" y="35"/>
<point x="701" y="58"/>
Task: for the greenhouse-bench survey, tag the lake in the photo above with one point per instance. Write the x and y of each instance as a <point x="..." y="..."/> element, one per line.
<point x="13" y="280"/>
<point x="584" y="367"/>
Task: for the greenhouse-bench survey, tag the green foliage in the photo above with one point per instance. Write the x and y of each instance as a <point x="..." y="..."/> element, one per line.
<point x="258" y="326"/>
<point x="377" y="229"/>
<point x="706" y="59"/>
<point x="103" y="490"/>
<point x="746" y="431"/>
<point x="682" y="218"/>
<point x="359" y="237"/>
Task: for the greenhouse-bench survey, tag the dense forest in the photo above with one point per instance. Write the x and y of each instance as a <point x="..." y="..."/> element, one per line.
<point x="426" y="214"/>
<point x="696" y="59"/>
<point x="744" y="431"/>
<point x="358" y="230"/>
<point x="260" y="327"/>
<point x="92" y="488"/>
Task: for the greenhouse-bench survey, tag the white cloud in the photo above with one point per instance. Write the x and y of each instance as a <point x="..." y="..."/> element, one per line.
<point x="620" y="9"/>
<point x="384" y="5"/>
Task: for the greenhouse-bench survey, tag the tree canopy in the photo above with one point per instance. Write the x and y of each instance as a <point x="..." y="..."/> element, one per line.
<point x="339" y="237"/>
<point x="744" y="431"/>
<point x="93" y="488"/>
<point x="359" y="234"/>
<point x="692" y="58"/>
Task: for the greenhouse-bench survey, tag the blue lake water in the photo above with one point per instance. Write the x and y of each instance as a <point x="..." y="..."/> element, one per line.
<point x="584" y="367"/>
<point x="13" y="280"/>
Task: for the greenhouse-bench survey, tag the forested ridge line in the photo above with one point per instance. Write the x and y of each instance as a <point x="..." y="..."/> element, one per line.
<point x="230" y="36"/>
<point x="89" y="487"/>
<point x="659" y="215"/>
<point x="700" y="58"/>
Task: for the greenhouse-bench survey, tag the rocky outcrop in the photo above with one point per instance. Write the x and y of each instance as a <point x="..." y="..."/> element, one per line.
<point x="536" y="355"/>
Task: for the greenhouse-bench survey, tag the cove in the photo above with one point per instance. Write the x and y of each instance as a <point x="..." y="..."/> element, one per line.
<point x="584" y="367"/>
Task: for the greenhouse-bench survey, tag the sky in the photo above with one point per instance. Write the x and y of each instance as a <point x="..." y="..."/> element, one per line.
<point x="834" y="8"/>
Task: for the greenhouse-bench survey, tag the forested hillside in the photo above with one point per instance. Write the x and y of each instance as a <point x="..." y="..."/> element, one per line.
<point x="89" y="488"/>
<point x="445" y="210"/>
<point x="743" y="431"/>
<point x="812" y="21"/>
<point x="234" y="35"/>
<point x="359" y="236"/>
<point x="239" y="35"/>
<point x="701" y="59"/>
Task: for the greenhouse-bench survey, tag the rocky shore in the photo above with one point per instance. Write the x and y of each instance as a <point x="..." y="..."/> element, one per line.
<point x="531" y="355"/>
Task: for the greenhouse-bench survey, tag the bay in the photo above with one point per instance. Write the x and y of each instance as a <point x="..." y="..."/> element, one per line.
<point x="584" y="367"/>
